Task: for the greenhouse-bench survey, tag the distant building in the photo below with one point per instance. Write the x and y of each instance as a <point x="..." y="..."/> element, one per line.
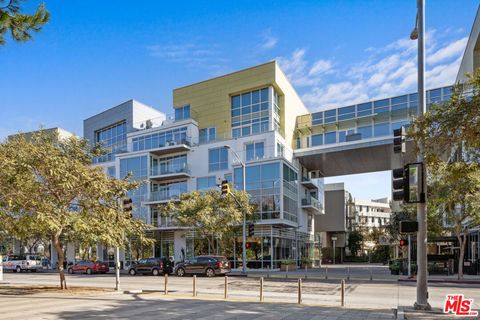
<point x="371" y="214"/>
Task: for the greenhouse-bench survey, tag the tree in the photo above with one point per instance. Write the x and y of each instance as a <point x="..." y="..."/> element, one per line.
<point x="20" y="25"/>
<point x="450" y="134"/>
<point x="49" y="189"/>
<point x="355" y="240"/>
<point x="209" y="214"/>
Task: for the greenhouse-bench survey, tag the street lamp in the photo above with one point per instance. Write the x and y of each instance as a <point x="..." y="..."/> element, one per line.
<point x="422" y="281"/>
<point x="244" y="237"/>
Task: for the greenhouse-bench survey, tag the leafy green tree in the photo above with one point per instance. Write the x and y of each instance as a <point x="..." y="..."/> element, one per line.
<point x="49" y="189"/>
<point x="450" y="135"/>
<point x="18" y="24"/>
<point x="209" y="214"/>
<point x="355" y="241"/>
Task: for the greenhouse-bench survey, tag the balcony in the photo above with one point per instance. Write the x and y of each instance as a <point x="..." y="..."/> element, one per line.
<point x="169" y="172"/>
<point x="308" y="183"/>
<point x="164" y="196"/>
<point x="312" y="205"/>
<point x="177" y="145"/>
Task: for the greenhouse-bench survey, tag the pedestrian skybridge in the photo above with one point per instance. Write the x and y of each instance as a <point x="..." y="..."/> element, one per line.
<point x="358" y="138"/>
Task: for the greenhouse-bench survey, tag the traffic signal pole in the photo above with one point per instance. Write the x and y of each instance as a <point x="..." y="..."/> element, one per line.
<point x="422" y="281"/>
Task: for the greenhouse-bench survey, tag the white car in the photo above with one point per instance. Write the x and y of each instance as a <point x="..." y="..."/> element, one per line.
<point x="21" y="262"/>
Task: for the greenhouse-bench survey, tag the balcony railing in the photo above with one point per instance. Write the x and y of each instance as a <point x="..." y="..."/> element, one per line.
<point x="169" y="169"/>
<point x="313" y="203"/>
<point x="165" y="195"/>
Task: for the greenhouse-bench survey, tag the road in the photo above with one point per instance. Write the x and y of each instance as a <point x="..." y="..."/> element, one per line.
<point x="371" y="294"/>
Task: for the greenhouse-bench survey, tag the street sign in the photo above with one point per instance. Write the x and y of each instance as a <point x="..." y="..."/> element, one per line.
<point x="334" y="238"/>
<point x="408" y="226"/>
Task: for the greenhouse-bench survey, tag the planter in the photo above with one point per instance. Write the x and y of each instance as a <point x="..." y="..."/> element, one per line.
<point x="283" y="267"/>
<point x="308" y="265"/>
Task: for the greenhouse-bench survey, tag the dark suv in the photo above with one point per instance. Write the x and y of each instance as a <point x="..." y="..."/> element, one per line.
<point x="155" y="266"/>
<point x="207" y="265"/>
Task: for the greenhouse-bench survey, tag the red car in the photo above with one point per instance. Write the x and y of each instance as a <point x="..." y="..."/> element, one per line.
<point x="89" y="267"/>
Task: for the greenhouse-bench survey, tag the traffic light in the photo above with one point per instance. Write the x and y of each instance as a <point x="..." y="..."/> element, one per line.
<point x="403" y="242"/>
<point x="225" y="187"/>
<point x="399" y="140"/>
<point x="408" y="226"/>
<point x="128" y="206"/>
<point x="251" y="229"/>
<point x="399" y="184"/>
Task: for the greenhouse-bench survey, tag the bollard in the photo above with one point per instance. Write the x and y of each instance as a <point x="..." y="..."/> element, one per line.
<point x="225" y="294"/>
<point x="194" y="285"/>
<point x="305" y="272"/>
<point x="286" y="273"/>
<point x="342" y="293"/>
<point x="299" y="291"/>
<point x="166" y="283"/>
<point x="261" y="289"/>
<point x="348" y="273"/>
<point x="371" y="274"/>
<point x="326" y="272"/>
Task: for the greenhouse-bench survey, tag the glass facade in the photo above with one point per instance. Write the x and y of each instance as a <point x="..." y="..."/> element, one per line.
<point x="167" y="191"/>
<point x="160" y="139"/>
<point x="205" y="183"/>
<point x="207" y="135"/>
<point x="263" y="184"/>
<point x="250" y="112"/>
<point x="217" y="159"/>
<point x="168" y="165"/>
<point x="290" y="192"/>
<point x="113" y="138"/>
<point x="137" y="167"/>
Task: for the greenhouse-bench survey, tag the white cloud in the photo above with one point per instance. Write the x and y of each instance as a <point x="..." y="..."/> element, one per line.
<point x="269" y="42"/>
<point x="387" y="71"/>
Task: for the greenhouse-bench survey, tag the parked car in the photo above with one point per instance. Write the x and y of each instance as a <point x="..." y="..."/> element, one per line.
<point x="207" y="265"/>
<point x="88" y="267"/>
<point x="21" y="262"/>
<point x="155" y="266"/>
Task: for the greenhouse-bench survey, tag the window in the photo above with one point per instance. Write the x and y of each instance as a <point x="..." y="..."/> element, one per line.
<point x="182" y="113"/>
<point x="254" y="151"/>
<point x="206" y="183"/>
<point x="160" y="139"/>
<point x="317" y="140"/>
<point x="399" y="103"/>
<point x="168" y="165"/>
<point x="331" y="137"/>
<point x="381" y="106"/>
<point x="342" y="135"/>
<point x="365" y="131"/>
<point x="382" y="129"/>
<point x="111" y="171"/>
<point x="330" y="116"/>
<point x="136" y="165"/>
<point x="299" y="143"/>
<point x="113" y="138"/>
<point x="208" y="135"/>
<point x="346" y="113"/>
<point x="364" y="109"/>
<point x="217" y="159"/>
<point x="251" y="112"/>
<point x="317" y="118"/>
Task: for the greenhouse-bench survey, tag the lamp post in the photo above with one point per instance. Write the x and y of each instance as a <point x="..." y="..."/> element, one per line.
<point x="244" y="237"/>
<point x="422" y="284"/>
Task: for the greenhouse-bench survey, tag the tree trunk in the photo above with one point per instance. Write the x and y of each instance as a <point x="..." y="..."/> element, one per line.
<point x="61" y="258"/>
<point x="462" y="240"/>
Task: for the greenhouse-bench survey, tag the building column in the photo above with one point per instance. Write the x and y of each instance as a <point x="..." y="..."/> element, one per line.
<point x="179" y="243"/>
<point x="100" y="249"/>
<point x="70" y="256"/>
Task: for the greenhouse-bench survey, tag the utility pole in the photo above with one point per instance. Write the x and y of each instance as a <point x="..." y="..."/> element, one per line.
<point x="422" y="282"/>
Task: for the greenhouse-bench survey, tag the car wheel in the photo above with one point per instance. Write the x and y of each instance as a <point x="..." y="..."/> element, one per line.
<point x="209" y="272"/>
<point x="33" y="270"/>
<point x="180" y="272"/>
<point x="70" y="270"/>
<point x="155" y="272"/>
<point x="132" y="272"/>
<point x="18" y="269"/>
<point x="89" y="271"/>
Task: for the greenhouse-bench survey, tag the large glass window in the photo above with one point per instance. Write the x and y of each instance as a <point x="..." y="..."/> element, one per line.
<point x="365" y="131"/>
<point x="182" y="113"/>
<point x="251" y="112"/>
<point x="208" y="135"/>
<point x="289" y="193"/>
<point x="217" y="159"/>
<point x="137" y="166"/>
<point x="205" y="183"/>
<point x="317" y="139"/>
<point x="331" y="137"/>
<point x="382" y="129"/>
<point x="399" y="103"/>
<point x="342" y="135"/>
<point x="167" y="191"/>
<point x="317" y="118"/>
<point x="168" y="165"/>
<point x="161" y="139"/>
<point x="346" y="113"/>
<point x="381" y="106"/>
<point x="254" y="151"/>
<point x="263" y="185"/>
<point x="364" y="109"/>
<point x="330" y="116"/>
<point x="113" y="138"/>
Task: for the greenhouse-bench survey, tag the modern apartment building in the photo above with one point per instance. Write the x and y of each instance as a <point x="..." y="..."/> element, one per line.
<point x="370" y="214"/>
<point x="254" y="112"/>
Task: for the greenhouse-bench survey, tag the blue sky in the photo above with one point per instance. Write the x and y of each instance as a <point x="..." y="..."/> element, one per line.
<point x="94" y="55"/>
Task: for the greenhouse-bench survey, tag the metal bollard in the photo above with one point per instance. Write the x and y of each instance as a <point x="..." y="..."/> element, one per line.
<point x="348" y="273"/>
<point x="326" y="272"/>
<point x="166" y="283"/>
<point x="286" y="273"/>
<point x="225" y="294"/>
<point x="299" y="291"/>
<point x="371" y="274"/>
<point x="261" y="289"/>
<point x="306" y="272"/>
<point x="342" y="294"/>
<point x="194" y="285"/>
